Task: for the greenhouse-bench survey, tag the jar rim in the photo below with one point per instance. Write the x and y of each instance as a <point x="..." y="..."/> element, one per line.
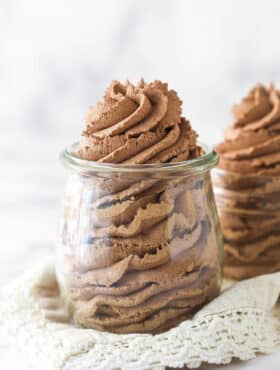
<point x="200" y="164"/>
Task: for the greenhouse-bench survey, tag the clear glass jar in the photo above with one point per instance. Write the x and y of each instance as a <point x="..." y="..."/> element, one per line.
<point x="249" y="210"/>
<point x="140" y="246"/>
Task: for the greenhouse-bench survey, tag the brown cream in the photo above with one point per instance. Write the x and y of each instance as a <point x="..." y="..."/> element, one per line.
<point x="252" y="144"/>
<point x="248" y="192"/>
<point x="137" y="124"/>
<point x="145" y="256"/>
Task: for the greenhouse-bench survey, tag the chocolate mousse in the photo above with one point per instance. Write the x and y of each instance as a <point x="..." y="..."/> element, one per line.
<point x="247" y="185"/>
<point x="141" y="249"/>
<point x="134" y="125"/>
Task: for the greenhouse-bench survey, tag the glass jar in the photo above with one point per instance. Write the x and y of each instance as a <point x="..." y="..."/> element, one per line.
<point x="249" y="210"/>
<point x="140" y="247"/>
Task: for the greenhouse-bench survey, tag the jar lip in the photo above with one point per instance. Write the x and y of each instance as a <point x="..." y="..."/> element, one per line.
<point x="196" y="165"/>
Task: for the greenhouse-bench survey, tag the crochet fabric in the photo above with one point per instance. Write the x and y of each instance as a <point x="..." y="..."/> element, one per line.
<point x="242" y="321"/>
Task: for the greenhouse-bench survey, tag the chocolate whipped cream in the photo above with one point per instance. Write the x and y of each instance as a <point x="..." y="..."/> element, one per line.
<point x="134" y="125"/>
<point x="248" y="191"/>
<point x="141" y="250"/>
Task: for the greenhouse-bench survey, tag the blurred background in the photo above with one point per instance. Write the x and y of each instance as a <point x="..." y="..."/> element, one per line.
<point x="56" y="58"/>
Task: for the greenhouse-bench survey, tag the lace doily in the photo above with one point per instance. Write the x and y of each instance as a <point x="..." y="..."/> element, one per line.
<point x="241" y="322"/>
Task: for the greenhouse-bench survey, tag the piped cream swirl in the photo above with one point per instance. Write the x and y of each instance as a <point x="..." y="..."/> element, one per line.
<point x="252" y="143"/>
<point x="138" y="124"/>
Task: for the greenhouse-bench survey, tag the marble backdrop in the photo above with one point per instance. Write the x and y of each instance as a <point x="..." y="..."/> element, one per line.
<point x="56" y="57"/>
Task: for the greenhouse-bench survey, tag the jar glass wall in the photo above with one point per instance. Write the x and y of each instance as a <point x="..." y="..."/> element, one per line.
<point x="140" y="247"/>
<point x="249" y="210"/>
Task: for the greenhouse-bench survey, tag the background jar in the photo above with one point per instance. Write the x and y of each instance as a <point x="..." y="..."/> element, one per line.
<point x="249" y="210"/>
<point x="140" y="247"/>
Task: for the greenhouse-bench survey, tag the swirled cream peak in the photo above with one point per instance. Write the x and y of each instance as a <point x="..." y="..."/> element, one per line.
<point x="252" y="143"/>
<point x="138" y="124"/>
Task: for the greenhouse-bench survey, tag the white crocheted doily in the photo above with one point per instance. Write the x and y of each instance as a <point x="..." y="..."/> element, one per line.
<point x="241" y="322"/>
